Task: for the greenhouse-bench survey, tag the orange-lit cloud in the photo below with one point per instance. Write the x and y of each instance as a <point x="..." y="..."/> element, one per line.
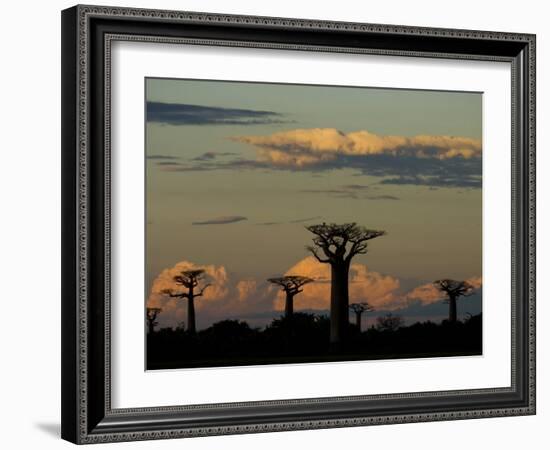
<point x="225" y="297"/>
<point x="303" y="147"/>
<point x="381" y="291"/>
<point x="428" y="293"/>
<point x="231" y="297"/>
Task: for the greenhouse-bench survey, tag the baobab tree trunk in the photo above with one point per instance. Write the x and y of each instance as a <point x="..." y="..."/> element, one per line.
<point x="289" y="305"/>
<point x="452" y="309"/>
<point x="191" y="328"/>
<point x="358" y="320"/>
<point x="339" y="303"/>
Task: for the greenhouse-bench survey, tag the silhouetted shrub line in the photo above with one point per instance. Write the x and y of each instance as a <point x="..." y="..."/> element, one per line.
<point x="305" y="337"/>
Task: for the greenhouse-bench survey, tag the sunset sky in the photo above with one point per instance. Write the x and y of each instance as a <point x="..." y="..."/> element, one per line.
<point x="235" y="171"/>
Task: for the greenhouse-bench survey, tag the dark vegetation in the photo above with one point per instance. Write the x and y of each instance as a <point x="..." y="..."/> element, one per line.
<point x="305" y="337"/>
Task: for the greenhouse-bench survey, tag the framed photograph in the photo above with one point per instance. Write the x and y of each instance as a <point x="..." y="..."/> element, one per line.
<point x="267" y="222"/>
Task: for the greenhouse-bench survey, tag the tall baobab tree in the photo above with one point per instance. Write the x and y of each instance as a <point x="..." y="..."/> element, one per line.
<point x="337" y="245"/>
<point x="188" y="279"/>
<point x="358" y="309"/>
<point x="152" y="314"/>
<point x="291" y="285"/>
<point x="454" y="289"/>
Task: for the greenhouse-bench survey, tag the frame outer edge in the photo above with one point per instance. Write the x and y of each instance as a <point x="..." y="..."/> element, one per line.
<point x="69" y="264"/>
<point x="75" y="185"/>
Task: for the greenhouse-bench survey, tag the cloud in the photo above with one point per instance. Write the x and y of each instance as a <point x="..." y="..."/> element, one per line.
<point x="232" y="297"/>
<point x="382" y="291"/>
<point x="309" y="146"/>
<point x="424" y="160"/>
<point x="427" y="293"/>
<point x="448" y="180"/>
<point x="350" y="191"/>
<point x="307" y="219"/>
<point x="222" y="220"/>
<point x="209" y="156"/>
<point x="226" y="297"/>
<point x="186" y="114"/>
<point x="446" y="161"/>
<point x="382" y="197"/>
<point x="162" y="157"/>
<point x="206" y="165"/>
<point x="167" y="164"/>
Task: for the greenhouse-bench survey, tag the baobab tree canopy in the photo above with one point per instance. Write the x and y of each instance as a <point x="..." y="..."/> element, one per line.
<point x="359" y="308"/>
<point x="340" y="242"/>
<point x="291" y="283"/>
<point x="454" y="288"/>
<point x="189" y="278"/>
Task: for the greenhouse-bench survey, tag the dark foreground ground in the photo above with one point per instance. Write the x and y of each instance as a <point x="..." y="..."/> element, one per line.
<point x="305" y="339"/>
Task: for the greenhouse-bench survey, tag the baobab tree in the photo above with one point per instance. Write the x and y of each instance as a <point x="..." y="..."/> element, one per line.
<point x="359" y="309"/>
<point x="389" y="322"/>
<point x="337" y="245"/>
<point x="454" y="290"/>
<point x="152" y="314"/>
<point x="291" y="285"/>
<point x="188" y="279"/>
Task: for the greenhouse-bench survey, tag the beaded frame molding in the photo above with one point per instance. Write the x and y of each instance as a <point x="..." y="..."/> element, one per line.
<point x="87" y="35"/>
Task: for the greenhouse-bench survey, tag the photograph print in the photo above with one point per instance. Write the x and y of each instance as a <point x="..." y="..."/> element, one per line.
<point x="290" y="223"/>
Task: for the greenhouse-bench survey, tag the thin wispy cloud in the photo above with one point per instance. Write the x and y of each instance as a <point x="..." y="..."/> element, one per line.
<point x="304" y="220"/>
<point x="162" y="157"/>
<point x="381" y="197"/>
<point x="209" y="156"/>
<point x="447" y="180"/>
<point x="307" y="219"/>
<point x="350" y="191"/>
<point x="186" y="114"/>
<point x="167" y="163"/>
<point x="222" y="220"/>
<point x="210" y="165"/>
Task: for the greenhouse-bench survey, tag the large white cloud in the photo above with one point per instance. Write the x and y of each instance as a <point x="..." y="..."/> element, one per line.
<point x="303" y="147"/>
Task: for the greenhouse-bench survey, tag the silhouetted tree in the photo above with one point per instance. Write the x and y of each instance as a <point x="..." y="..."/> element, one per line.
<point x="189" y="279"/>
<point x="389" y="322"/>
<point x="337" y="245"/>
<point x="291" y="285"/>
<point x="152" y="314"/>
<point x="454" y="289"/>
<point x="359" y="309"/>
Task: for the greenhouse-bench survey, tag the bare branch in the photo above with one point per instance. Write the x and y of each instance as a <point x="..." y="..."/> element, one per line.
<point x="333" y="240"/>
<point x="314" y="253"/>
<point x="202" y="290"/>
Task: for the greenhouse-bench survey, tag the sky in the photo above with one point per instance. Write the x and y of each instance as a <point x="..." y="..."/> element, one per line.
<point x="236" y="171"/>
